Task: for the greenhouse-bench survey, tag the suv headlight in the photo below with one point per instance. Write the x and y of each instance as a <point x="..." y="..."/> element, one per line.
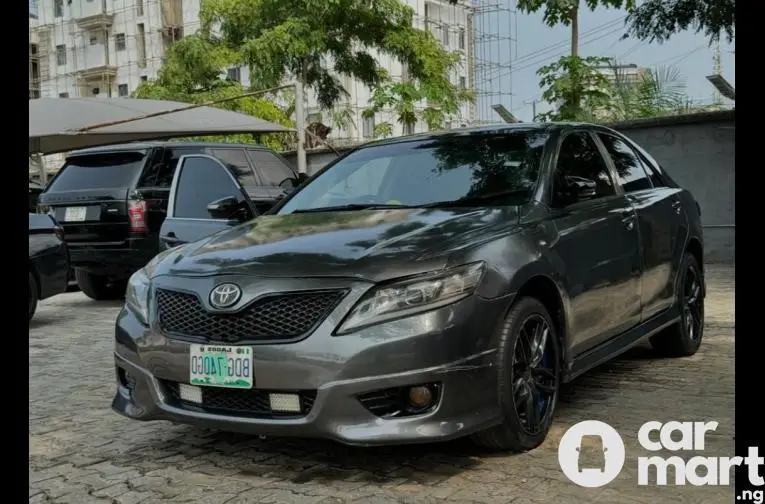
<point x="139" y="287"/>
<point x="412" y="296"/>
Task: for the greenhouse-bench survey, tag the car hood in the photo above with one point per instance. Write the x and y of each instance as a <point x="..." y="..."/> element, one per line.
<point x="368" y="244"/>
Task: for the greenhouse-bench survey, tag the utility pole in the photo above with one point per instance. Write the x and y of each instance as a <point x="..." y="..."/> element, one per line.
<point x="533" y="104"/>
<point x="717" y="70"/>
<point x="575" y="28"/>
<point x="300" y="126"/>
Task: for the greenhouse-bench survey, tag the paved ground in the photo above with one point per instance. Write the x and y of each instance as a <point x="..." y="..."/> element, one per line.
<point x="81" y="452"/>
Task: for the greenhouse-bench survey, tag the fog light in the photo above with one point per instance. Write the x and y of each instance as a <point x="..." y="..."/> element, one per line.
<point x="420" y="397"/>
<point x="190" y="393"/>
<point x="285" y="403"/>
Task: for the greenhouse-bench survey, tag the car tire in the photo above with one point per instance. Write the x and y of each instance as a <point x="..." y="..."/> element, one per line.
<point x="99" y="287"/>
<point x="516" y="433"/>
<point x="684" y="338"/>
<point x="32" y="295"/>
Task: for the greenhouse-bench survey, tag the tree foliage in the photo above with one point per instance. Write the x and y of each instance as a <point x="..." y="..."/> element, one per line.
<point x="561" y="11"/>
<point x="576" y="86"/>
<point x="318" y="40"/>
<point x="192" y="73"/>
<point x="658" y="20"/>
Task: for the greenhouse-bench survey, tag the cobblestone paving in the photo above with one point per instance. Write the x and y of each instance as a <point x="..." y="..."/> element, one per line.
<point x="81" y="452"/>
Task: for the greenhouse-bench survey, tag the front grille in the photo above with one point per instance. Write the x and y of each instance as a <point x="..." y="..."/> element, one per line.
<point x="251" y="403"/>
<point x="284" y="316"/>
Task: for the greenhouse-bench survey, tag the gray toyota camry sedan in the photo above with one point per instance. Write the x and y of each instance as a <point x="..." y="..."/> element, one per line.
<point x="417" y="289"/>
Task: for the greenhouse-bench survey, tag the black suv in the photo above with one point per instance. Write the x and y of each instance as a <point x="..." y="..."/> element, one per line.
<point x="112" y="201"/>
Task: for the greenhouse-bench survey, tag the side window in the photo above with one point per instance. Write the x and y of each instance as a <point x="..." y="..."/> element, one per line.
<point x="629" y="168"/>
<point x="272" y="170"/>
<point x="236" y="160"/>
<point x="162" y="166"/>
<point x="581" y="172"/>
<point x="201" y="182"/>
<point x="650" y="164"/>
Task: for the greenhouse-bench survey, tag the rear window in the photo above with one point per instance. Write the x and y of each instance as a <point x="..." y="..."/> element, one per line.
<point x="118" y="169"/>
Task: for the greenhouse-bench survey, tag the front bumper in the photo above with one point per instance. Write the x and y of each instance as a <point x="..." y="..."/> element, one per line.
<point x="453" y="346"/>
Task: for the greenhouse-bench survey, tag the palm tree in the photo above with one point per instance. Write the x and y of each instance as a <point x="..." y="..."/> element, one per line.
<point x="657" y="92"/>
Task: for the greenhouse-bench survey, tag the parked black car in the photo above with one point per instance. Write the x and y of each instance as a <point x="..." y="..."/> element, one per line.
<point x="420" y="288"/>
<point x="34" y="193"/>
<point x="48" y="260"/>
<point x="112" y="201"/>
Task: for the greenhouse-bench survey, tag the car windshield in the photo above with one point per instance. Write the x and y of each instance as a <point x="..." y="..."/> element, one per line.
<point x="497" y="168"/>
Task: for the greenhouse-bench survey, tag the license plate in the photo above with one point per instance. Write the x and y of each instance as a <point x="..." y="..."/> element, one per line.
<point x="221" y="366"/>
<point x="75" y="214"/>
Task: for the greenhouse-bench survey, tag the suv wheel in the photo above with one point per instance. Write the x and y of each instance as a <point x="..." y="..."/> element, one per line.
<point x="529" y="376"/>
<point x="99" y="287"/>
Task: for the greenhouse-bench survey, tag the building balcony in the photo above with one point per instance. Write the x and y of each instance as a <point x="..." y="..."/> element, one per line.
<point x="93" y="64"/>
<point x="101" y="20"/>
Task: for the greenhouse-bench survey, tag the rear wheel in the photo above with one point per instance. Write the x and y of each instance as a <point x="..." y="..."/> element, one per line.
<point x="32" y="295"/>
<point x="99" y="287"/>
<point x="529" y="375"/>
<point x="684" y="338"/>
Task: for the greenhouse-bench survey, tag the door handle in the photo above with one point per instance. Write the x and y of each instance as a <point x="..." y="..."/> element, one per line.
<point x="677" y="206"/>
<point x="628" y="218"/>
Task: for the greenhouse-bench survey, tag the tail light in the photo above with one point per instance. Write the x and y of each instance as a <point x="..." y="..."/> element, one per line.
<point x="137" y="216"/>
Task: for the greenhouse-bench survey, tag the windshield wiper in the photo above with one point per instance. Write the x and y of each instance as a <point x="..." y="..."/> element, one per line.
<point x="474" y="200"/>
<point x="350" y="206"/>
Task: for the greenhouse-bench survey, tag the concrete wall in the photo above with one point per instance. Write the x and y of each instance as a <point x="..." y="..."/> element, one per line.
<point x="697" y="151"/>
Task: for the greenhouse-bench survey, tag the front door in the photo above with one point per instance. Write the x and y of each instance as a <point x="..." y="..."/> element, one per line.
<point x="199" y="181"/>
<point x="661" y="223"/>
<point x="597" y="241"/>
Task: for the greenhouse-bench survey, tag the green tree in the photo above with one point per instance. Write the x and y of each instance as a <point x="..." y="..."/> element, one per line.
<point x="316" y="41"/>
<point x="657" y="92"/>
<point x="192" y="73"/>
<point x="577" y="86"/>
<point x="403" y="98"/>
<point x="658" y="20"/>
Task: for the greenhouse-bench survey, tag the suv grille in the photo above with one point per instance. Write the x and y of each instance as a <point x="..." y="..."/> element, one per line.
<point x="253" y="403"/>
<point x="273" y="317"/>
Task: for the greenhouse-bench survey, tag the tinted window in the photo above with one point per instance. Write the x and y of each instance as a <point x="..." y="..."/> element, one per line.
<point x="163" y="165"/>
<point x="117" y="169"/>
<point x="581" y="171"/>
<point x="237" y="162"/>
<point x="434" y="170"/>
<point x="201" y="182"/>
<point x="273" y="170"/>
<point x="629" y="168"/>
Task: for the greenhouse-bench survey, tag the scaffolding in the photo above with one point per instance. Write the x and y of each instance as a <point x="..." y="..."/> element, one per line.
<point x="494" y="49"/>
<point x="83" y="48"/>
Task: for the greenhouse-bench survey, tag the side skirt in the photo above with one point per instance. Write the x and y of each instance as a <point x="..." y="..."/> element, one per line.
<point x="619" y="344"/>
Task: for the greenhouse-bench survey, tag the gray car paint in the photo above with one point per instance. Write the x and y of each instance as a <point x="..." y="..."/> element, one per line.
<point x="614" y="274"/>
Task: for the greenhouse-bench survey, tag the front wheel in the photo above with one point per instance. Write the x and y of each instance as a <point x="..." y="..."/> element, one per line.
<point x="529" y="378"/>
<point x="684" y="338"/>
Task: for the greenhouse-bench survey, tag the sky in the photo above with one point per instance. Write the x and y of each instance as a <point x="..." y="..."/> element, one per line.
<point x="536" y="45"/>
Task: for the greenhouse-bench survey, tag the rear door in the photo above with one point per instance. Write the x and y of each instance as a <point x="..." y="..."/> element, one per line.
<point x="199" y="180"/>
<point x="276" y="176"/>
<point x="88" y="197"/>
<point x="661" y="222"/>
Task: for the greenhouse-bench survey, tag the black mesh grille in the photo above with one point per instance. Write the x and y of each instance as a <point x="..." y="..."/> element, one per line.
<point x="275" y="317"/>
<point x="251" y="403"/>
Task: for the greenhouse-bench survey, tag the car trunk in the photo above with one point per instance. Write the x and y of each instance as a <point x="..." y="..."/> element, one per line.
<point x="89" y="196"/>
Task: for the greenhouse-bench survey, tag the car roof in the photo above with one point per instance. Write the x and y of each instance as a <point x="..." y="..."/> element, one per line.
<point x="158" y="143"/>
<point x="484" y="129"/>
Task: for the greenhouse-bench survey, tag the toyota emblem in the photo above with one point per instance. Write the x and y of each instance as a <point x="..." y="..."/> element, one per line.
<point x="225" y="295"/>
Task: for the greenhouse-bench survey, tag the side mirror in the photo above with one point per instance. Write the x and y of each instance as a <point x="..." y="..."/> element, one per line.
<point x="302" y="177"/>
<point x="224" y="208"/>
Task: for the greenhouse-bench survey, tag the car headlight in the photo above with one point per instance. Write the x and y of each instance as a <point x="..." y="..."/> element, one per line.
<point x="412" y="296"/>
<point x="139" y="287"/>
<point x="137" y="295"/>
